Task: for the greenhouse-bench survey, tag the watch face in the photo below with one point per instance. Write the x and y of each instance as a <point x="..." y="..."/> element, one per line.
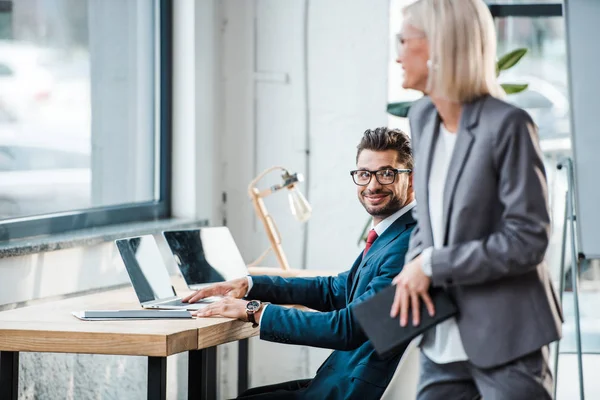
<point x="253" y="305"/>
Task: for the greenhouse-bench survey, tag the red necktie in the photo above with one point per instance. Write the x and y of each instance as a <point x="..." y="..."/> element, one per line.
<point x="370" y="239"/>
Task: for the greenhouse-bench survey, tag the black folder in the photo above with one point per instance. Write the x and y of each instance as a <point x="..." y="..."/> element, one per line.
<point x="385" y="333"/>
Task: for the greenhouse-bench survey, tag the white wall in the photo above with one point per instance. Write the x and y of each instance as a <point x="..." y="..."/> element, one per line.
<point x="265" y="120"/>
<point x="348" y="86"/>
<point x="197" y="176"/>
<point x="302" y="81"/>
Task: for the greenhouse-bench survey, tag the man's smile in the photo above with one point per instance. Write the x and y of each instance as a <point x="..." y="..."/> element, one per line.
<point x="376" y="199"/>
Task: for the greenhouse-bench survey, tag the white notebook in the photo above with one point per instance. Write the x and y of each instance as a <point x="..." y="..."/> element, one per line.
<point x="118" y="315"/>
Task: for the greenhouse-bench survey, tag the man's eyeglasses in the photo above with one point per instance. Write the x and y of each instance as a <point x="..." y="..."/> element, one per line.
<point x="387" y="176"/>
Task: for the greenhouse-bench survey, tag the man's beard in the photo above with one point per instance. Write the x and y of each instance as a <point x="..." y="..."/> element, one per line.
<point x="394" y="204"/>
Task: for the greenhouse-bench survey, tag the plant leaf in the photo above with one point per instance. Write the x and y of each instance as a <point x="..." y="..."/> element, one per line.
<point x="509" y="60"/>
<point x="399" y="109"/>
<point x="512" y="88"/>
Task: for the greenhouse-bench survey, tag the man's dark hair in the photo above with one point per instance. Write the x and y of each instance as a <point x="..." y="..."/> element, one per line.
<point x="382" y="139"/>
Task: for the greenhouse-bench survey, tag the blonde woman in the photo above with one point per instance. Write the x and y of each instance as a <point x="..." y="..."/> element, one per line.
<point x="483" y="220"/>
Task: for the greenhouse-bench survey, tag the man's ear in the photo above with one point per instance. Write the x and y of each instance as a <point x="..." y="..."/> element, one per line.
<point x="410" y="180"/>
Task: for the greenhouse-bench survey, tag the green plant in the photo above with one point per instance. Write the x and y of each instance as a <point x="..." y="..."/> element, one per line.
<point x="400" y="109"/>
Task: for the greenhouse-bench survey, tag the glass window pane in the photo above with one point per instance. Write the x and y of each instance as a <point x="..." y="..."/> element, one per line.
<point x="77" y="95"/>
<point x="544" y="69"/>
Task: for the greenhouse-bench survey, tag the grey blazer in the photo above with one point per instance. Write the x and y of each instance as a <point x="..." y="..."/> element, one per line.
<point x="497" y="228"/>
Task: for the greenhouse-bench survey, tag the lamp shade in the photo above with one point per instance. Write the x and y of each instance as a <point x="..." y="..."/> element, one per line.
<point x="299" y="205"/>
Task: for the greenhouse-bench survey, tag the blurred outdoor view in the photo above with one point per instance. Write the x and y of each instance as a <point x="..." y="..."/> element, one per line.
<point x="47" y="125"/>
<point x="45" y="109"/>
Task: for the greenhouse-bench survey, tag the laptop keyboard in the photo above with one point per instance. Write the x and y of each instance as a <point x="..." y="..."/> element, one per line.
<point x="179" y="303"/>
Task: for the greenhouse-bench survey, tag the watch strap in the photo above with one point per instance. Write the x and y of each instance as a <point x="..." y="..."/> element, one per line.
<point x="251" y="318"/>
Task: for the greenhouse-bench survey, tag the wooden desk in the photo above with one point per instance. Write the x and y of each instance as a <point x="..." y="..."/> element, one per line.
<point x="50" y="327"/>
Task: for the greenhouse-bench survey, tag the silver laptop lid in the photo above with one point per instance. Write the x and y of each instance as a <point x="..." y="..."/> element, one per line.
<point x="206" y="255"/>
<point x="145" y="266"/>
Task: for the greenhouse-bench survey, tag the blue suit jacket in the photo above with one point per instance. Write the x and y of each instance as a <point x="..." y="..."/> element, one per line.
<point x="353" y="371"/>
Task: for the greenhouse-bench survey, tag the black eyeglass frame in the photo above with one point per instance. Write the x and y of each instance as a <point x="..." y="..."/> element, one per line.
<point x="374" y="173"/>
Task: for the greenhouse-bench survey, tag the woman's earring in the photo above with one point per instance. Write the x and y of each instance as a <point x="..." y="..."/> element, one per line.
<point x="431" y="65"/>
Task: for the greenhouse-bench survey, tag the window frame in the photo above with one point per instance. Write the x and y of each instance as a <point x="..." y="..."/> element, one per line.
<point x="5" y="6"/>
<point x="62" y="222"/>
<point x="531" y="10"/>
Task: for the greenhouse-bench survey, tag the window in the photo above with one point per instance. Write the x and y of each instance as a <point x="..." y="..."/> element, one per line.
<point x="85" y="106"/>
<point x="544" y="69"/>
<point x="540" y="28"/>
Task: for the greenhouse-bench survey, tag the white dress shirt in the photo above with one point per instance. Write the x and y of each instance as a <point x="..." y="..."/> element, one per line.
<point x="379" y="229"/>
<point x="441" y="344"/>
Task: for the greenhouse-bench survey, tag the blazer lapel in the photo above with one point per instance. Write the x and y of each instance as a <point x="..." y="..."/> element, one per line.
<point x="462" y="147"/>
<point x="428" y="138"/>
<point x="390" y="234"/>
<point x="352" y="276"/>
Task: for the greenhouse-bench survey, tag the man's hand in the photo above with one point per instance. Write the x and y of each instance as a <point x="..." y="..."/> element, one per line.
<point x="411" y="283"/>
<point x="229" y="308"/>
<point x="236" y="289"/>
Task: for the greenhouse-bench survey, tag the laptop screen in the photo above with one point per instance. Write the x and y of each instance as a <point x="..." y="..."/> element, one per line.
<point x="206" y="255"/>
<point x="145" y="266"/>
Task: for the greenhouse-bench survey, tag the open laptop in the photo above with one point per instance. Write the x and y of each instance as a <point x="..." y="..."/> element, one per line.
<point x="149" y="276"/>
<point x="206" y="255"/>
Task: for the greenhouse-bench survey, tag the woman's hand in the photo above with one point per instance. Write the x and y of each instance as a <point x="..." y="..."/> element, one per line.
<point x="411" y="284"/>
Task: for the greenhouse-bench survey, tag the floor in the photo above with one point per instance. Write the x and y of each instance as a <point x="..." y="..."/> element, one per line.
<point x="568" y="373"/>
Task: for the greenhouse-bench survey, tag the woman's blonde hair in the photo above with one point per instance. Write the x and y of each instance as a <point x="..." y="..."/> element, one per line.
<point x="462" y="47"/>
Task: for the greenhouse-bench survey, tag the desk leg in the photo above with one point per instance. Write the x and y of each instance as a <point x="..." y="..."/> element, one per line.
<point x="9" y="375"/>
<point x="157" y="378"/>
<point x="202" y="374"/>
<point x="243" y="349"/>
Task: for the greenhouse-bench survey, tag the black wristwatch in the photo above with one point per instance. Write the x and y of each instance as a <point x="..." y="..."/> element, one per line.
<point x="251" y="308"/>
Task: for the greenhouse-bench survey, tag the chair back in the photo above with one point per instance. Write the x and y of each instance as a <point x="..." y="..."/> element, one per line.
<point x="404" y="382"/>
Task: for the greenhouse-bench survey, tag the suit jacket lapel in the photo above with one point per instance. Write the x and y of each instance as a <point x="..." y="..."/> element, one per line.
<point x="352" y="276"/>
<point x="428" y="139"/>
<point x="462" y="147"/>
<point x="390" y="234"/>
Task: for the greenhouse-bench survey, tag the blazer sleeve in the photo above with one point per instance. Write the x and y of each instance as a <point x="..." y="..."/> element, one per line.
<point x="318" y="293"/>
<point x="520" y="242"/>
<point x="338" y="329"/>
<point x="415" y="245"/>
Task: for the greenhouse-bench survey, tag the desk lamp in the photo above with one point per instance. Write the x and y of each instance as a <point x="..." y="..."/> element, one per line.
<point x="298" y="205"/>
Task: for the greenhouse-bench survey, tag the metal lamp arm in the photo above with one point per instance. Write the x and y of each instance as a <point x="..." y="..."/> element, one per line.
<point x="252" y="184"/>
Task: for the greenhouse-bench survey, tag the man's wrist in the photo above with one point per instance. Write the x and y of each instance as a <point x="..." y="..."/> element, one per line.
<point x="258" y="315"/>
<point x="252" y="310"/>
<point x="250" y="284"/>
